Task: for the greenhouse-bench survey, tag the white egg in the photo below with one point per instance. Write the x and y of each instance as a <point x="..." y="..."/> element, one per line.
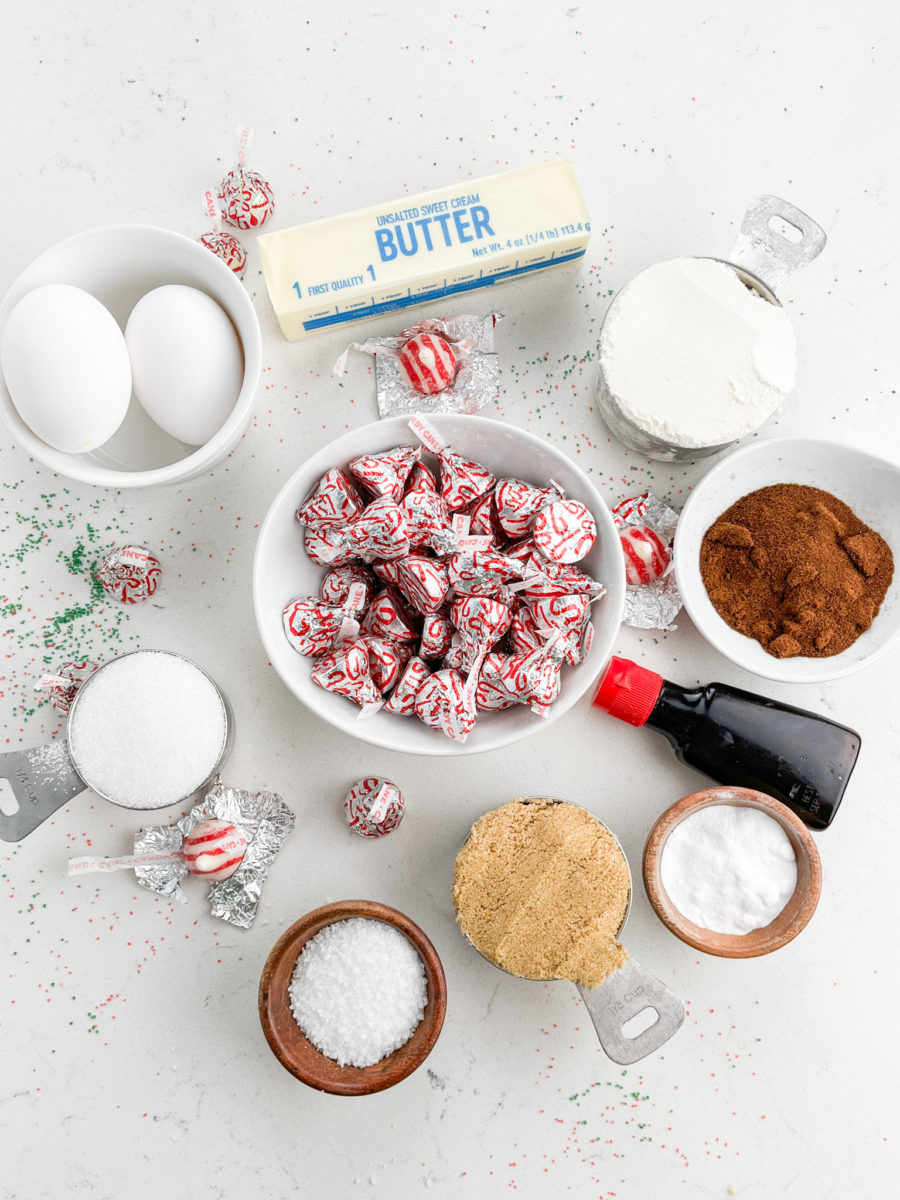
<point x="186" y="360"/>
<point x="66" y="367"/>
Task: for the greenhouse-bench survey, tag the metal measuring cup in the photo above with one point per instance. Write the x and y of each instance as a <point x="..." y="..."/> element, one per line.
<point x="764" y="260"/>
<point x="44" y="778"/>
<point x="625" y="993"/>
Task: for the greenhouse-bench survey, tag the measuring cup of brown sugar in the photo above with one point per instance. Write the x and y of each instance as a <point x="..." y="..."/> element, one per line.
<point x="147" y="730"/>
<point x="542" y="890"/>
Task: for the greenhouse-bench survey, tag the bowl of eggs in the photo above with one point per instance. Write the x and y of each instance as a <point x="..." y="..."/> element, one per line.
<point x="129" y="357"/>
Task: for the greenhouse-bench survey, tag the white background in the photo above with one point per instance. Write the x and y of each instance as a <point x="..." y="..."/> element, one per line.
<point x="133" y="1062"/>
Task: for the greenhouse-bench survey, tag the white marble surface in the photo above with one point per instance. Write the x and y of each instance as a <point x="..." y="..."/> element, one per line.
<point x="133" y="1060"/>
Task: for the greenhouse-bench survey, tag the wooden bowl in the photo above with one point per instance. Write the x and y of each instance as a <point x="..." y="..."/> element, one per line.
<point x="793" y="917"/>
<point x="294" y="1050"/>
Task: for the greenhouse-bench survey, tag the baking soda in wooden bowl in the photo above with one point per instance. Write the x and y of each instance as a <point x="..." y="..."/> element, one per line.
<point x="148" y="729"/>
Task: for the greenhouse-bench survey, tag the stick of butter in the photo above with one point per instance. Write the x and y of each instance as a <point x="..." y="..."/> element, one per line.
<point x="334" y="273"/>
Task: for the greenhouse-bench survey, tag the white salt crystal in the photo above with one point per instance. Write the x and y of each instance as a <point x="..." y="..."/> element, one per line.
<point x="358" y="991"/>
<point x="147" y="730"/>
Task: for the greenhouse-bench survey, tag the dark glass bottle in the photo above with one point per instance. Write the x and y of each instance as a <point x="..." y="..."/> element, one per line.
<point x="740" y="739"/>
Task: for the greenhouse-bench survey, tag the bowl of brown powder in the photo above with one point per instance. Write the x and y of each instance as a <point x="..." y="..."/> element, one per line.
<point x="784" y="558"/>
<point x="541" y="889"/>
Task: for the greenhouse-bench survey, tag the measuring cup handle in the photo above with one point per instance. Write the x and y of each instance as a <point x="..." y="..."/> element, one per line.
<point x="41" y="781"/>
<point x="626" y="993"/>
<point x="767" y="253"/>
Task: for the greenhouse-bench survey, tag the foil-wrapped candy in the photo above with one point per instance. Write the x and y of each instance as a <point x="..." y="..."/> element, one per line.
<point x="656" y="603"/>
<point x="444" y="703"/>
<point x="345" y="671"/>
<point x="437" y="634"/>
<point x="402" y="701"/>
<point x="378" y="533"/>
<point x="423" y="581"/>
<point x="333" y="501"/>
<point x="387" y="660"/>
<point x="386" y="474"/>
<point x="492" y="694"/>
<point x="518" y="504"/>
<point x="388" y="616"/>
<point x="481" y="572"/>
<point x="564" y="531"/>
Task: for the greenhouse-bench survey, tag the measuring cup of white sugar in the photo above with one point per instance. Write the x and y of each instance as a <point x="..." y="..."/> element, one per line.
<point x="696" y="353"/>
<point x="146" y="730"/>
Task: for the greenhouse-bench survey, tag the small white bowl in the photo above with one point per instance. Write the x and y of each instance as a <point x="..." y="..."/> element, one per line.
<point x="868" y="484"/>
<point x="118" y="264"/>
<point x="282" y="571"/>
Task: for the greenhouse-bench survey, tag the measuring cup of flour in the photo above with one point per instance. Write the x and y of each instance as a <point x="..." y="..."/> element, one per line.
<point x="695" y="353"/>
<point x="146" y="730"/>
<point x="542" y="890"/>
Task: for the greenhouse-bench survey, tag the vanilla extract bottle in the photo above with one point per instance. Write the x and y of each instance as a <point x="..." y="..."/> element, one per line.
<point x="740" y="739"/>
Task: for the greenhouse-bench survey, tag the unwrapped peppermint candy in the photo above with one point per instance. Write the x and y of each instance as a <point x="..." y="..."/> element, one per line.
<point x="130" y="573"/>
<point x="653" y="604"/>
<point x="264" y="820"/>
<point x="437" y="366"/>
<point x="373" y="807"/>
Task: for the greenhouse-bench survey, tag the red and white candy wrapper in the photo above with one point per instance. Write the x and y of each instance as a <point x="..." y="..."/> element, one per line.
<point x="223" y="245"/>
<point x="314" y="627"/>
<point x="386" y="474"/>
<point x="524" y="635"/>
<point x="247" y="199"/>
<point x="564" y="531"/>
<point x="63" y="683"/>
<point x="378" y="533"/>
<point x="345" y="671"/>
<point x="262" y="818"/>
<point x="442" y="703"/>
<point x="534" y="679"/>
<point x="387" y="572"/>
<point x="483" y="519"/>
<point x="337" y="584"/>
<point x="569" y="614"/>
<point x="492" y="694"/>
<point x="462" y="479"/>
<point x="437" y="634"/>
<point x="423" y="581"/>
<point x="387" y="659"/>
<point x="129" y="573"/>
<point x="421" y="479"/>
<point x="480" y="622"/>
<point x="481" y="572"/>
<point x="333" y="501"/>
<point x="389" y="617"/>
<point x="373" y="807"/>
<point x="408" y="366"/>
<point x="656" y="603"/>
<point x="545" y="578"/>
<point x="428" y="363"/>
<point x="518" y="503"/>
<point x="427" y="521"/>
<point x="402" y="702"/>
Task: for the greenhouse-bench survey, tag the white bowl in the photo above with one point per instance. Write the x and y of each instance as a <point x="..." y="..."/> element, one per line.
<point x="119" y="264"/>
<point x="868" y="484"/>
<point x="282" y="571"/>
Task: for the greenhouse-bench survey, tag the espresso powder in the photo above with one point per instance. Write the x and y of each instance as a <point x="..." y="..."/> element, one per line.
<point x="796" y="569"/>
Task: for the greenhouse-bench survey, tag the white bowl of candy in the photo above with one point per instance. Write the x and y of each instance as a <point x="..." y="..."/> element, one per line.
<point x="129" y="357"/>
<point x="446" y="646"/>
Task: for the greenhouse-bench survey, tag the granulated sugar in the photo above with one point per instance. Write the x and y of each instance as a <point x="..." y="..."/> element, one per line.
<point x="358" y="991"/>
<point x="147" y="730"/>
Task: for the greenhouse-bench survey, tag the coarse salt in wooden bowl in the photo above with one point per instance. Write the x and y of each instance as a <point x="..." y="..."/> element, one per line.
<point x="792" y="919"/>
<point x="295" y="1051"/>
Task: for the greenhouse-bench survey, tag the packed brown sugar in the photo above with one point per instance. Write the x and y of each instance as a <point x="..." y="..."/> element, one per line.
<point x="796" y="569"/>
<point x="541" y="889"/>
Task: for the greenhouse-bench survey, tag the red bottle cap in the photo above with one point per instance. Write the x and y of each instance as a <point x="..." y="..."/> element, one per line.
<point x="628" y="691"/>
